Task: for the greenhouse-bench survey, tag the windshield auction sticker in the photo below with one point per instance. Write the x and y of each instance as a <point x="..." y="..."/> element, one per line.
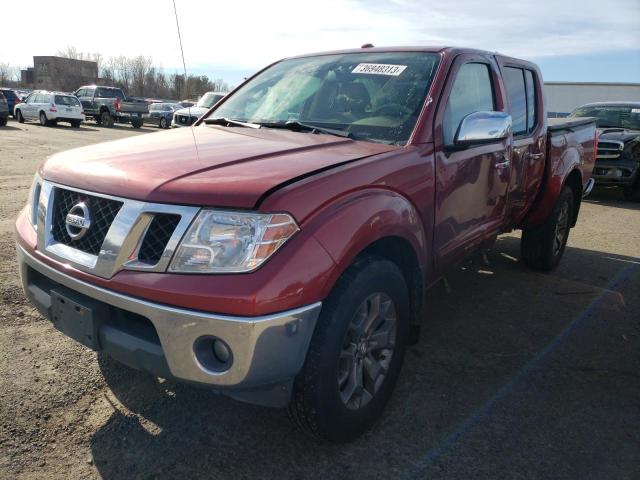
<point x="379" y="69"/>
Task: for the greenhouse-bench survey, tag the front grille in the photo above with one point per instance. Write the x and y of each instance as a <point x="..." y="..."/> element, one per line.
<point x="155" y="240"/>
<point x="186" y="120"/>
<point x="102" y="212"/>
<point x="609" y="150"/>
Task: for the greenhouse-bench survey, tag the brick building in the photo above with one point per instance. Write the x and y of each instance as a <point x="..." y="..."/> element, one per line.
<point x="58" y="73"/>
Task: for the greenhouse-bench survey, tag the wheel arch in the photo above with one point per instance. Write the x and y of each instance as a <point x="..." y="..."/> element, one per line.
<point x="400" y="252"/>
<point x="375" y="223"/>
<point x="574" y="181"/>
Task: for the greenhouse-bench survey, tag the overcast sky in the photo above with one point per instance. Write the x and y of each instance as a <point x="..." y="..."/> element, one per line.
<point x="587" y="40"/>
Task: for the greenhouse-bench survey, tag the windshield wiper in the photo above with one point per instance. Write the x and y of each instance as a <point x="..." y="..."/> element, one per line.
<point x="230" y="121"/>
<point x="297" y="126"/>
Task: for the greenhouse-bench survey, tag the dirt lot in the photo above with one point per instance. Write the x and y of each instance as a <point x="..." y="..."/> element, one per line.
<point x="517" y="375"/>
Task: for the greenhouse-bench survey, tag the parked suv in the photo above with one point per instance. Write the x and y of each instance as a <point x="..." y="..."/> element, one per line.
<point x="186" y="116"/>
<point x="13" y="98"/>
<point x="279" y="251"/>
<point x="49" y="108"/>
<point x="618" y="161"/>
<point x="4" y="110"/>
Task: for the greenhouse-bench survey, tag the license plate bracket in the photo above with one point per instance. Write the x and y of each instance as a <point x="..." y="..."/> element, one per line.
<point x="78" y="317"/>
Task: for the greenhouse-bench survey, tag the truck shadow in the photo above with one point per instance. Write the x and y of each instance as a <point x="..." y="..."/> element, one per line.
<point x="611" y="197"/>
<point x="124" y="126"/>
<point x="476" y="337"/>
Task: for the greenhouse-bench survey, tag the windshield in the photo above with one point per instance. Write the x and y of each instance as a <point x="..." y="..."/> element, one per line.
<point x="622" y="116"/>
<point x="209" y="99"/>
<point x="372" y="96"/>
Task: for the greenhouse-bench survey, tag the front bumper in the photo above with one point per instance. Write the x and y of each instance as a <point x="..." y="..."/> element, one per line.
<point x="267" y="351"/>
<point x="622" y="173"/>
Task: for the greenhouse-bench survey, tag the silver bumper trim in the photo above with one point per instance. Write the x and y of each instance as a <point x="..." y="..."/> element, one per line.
<point x="266" y="349"/>
<point x="587" y="190"/>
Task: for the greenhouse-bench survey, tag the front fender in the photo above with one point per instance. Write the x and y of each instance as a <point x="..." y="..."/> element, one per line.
<point x="353" y="222"/>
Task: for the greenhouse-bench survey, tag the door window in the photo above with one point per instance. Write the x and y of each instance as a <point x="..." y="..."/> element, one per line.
<point x="472" y="92"/>
<point x="532" y="105"/>
<point x="514" y="83"/>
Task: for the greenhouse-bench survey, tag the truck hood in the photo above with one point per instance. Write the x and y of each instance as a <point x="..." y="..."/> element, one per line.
<point x="205" y="165"/>
<point x="620" y="134"/>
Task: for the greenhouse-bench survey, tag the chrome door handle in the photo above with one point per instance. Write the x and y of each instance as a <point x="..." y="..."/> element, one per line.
<point x="504" y="164"/>
<point x="536" y="155"/>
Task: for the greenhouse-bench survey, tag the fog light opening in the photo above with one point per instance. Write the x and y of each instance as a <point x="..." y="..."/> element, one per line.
<point x="213" y="354"/>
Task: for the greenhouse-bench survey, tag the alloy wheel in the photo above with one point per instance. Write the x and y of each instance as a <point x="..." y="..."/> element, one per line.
<point x="562" y="226"/>
<point x="367" y="350"/>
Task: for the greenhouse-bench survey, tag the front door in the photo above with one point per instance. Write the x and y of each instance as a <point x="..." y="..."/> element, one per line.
<point x="471" y="182"/>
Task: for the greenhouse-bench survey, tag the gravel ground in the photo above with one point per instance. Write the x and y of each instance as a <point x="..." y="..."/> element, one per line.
<point x="517" y="375"/>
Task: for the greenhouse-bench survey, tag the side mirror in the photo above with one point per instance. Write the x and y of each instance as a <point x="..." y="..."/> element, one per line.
<point x="483" y="127"/>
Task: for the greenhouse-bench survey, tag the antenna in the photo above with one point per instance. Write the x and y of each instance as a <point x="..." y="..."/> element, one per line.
<point x="184" y="65"/>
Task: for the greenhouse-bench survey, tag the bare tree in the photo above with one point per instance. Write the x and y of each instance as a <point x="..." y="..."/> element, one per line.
<point x="139" y="76"/>
<point x="9" y="74"/>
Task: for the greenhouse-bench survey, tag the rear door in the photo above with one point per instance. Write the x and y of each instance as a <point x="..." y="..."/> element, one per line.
<point x="523" y="96"/>
<point x="32" y="106"/>
<point x="155" y="112"/>
<point x="471" y="183"/>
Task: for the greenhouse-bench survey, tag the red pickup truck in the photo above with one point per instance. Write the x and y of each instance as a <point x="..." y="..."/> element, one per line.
<point x="279" y="250"/>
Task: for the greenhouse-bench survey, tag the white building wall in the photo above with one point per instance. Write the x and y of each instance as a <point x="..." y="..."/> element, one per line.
<point x="564" y="97"/>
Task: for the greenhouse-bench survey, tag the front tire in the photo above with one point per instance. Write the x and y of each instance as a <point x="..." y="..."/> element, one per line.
<point x="163" y="123"/>
<point x="75" y="123"/>
<point x="542" y="247"/>
<point x="135" y="123"/>
<point x="355" y="354"/>
<point x="19" y="116"/>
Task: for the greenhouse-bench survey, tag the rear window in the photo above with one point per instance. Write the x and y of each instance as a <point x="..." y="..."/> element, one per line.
<point x="66" y="100"/>
<point x="9" y="94"/>
<point x="110" y="93"/>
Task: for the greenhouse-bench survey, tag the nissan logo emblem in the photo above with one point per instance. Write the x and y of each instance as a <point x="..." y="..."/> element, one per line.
<point x="78" y="221"/>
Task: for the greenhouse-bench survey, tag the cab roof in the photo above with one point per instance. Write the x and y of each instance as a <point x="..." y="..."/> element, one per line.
<point x="425" y="49"/>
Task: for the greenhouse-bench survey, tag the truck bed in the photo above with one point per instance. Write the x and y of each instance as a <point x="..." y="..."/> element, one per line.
<point x="568" y="123"/>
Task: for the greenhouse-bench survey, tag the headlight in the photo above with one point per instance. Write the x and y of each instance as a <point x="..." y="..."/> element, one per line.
<point x="224" y="242"/>
<point x="33" y="200"/>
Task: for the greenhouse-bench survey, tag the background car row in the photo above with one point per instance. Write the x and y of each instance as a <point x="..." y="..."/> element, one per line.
<point x="618" y="159"/>
<point x="105" y="105"/>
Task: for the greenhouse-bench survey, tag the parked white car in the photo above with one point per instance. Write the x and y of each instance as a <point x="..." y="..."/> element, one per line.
<point x="186" y="116"/>
<point x="49" y="108"/>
